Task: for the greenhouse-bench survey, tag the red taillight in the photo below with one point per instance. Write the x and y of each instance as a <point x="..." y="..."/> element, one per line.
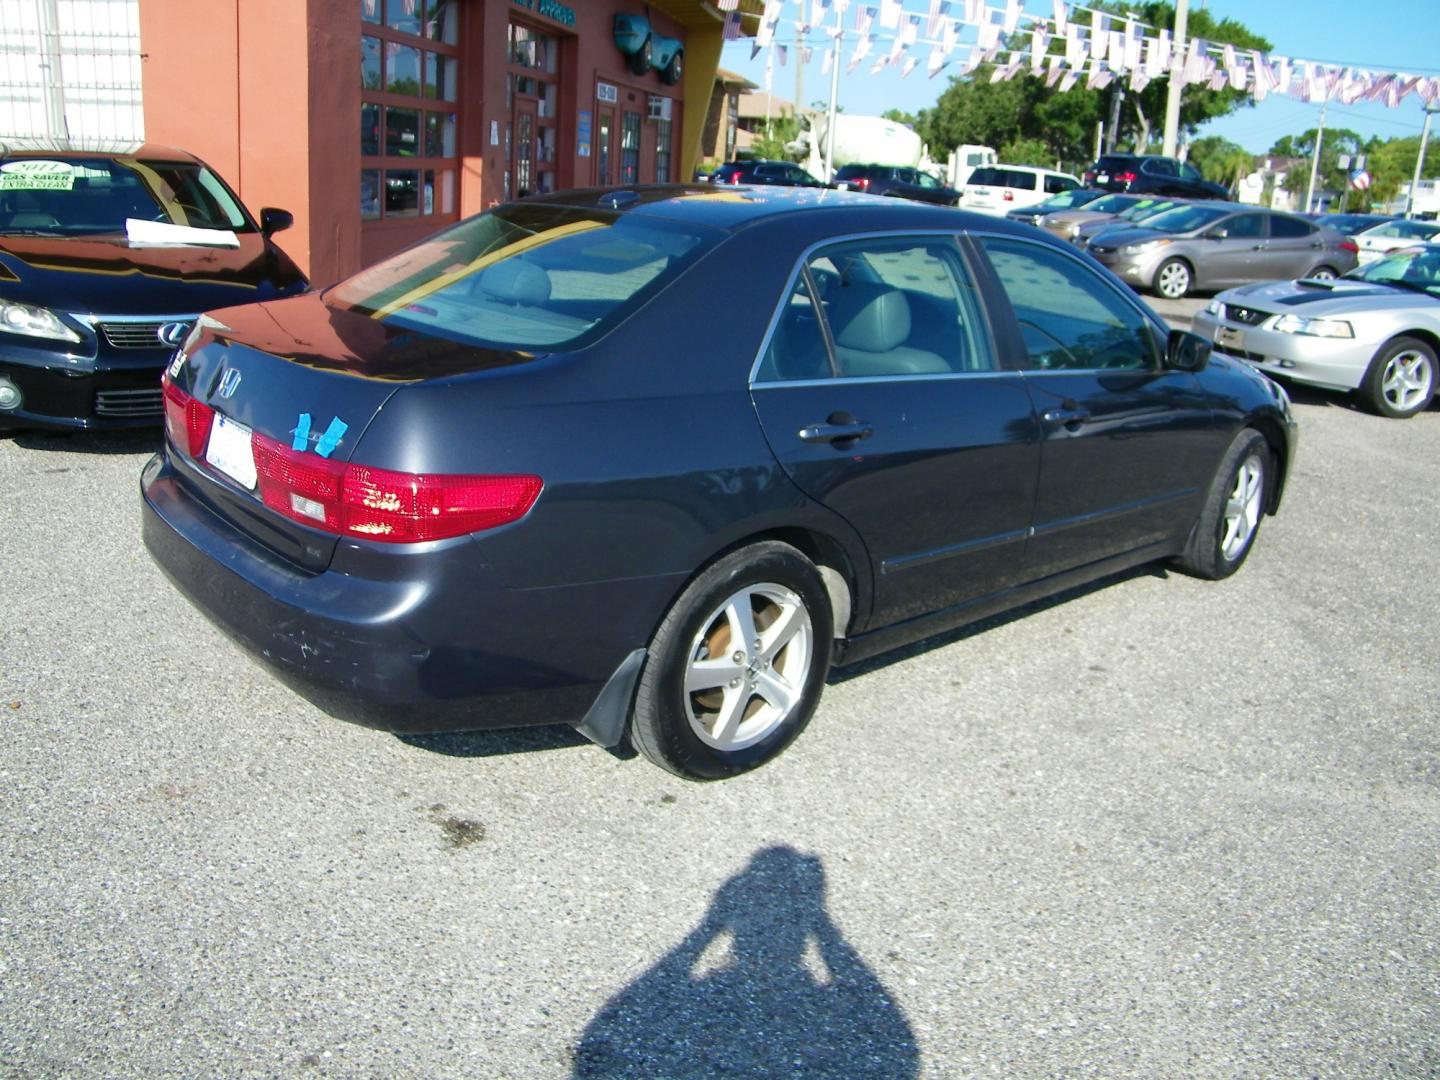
<point x="734" y="178"/>
<point x="379" y="504"/>
<point x="187" y="418"/>
<point x="1125" y="177"/>
<point x="864" y="183"/>
<point x="1350" y="246"/>
<point x="1009" y="195"/>
<point x="1089" y="178"/>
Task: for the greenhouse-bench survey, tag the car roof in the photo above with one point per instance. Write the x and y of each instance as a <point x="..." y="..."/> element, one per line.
<point x="105" y="150"/>
<point x="735" y="207"/>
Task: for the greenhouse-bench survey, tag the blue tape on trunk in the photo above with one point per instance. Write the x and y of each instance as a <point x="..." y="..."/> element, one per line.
<point x="302" y="432"/>
<point x="331" y="438"/>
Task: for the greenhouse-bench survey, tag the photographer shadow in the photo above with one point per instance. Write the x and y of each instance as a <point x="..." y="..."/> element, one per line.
<point x="764" y="986"/>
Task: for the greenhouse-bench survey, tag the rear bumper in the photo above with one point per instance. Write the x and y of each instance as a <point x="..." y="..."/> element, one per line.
<point x="424" y="644"/>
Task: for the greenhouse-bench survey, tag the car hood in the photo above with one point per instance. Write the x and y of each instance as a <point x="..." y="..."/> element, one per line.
<point x="107" y="275"/>
<point x="1337" y="297"/>
<point x="1076" y="217"/>
<point x="1120" y="235"/>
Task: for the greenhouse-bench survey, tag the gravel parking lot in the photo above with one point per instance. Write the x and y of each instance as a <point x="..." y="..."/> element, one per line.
<point x="1162" y="828"/>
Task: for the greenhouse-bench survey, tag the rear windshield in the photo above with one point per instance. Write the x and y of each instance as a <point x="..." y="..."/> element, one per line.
<point x="998" y="176"/>
<point x="526" y="276"/>
<point x="1116" y="163"/>
<point x="74" y="196"/>
<point x="1113" y="204"/>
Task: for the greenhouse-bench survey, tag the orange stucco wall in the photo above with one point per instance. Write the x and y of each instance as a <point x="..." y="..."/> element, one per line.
<point x="268" y="92"/>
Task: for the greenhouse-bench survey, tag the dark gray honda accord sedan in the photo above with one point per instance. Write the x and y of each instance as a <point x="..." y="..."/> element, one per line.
<point x="648" y="461"/>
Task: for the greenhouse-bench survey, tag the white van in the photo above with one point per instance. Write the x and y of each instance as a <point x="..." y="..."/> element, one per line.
<point x="998" y="189"/>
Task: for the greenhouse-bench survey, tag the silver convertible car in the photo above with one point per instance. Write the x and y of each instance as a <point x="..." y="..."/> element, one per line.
<point x="1375" y="330"/>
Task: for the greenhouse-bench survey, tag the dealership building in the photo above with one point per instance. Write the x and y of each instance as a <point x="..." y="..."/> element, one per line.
<point x="375" y="122"/>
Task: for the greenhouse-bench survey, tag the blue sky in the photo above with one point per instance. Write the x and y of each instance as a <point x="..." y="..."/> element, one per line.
<point x="1379" y="35"/>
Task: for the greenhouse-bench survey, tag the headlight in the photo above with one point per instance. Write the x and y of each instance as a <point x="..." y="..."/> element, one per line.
<point x="1331" y="328"/>
<point x="1075" y="230"/>
<point x="33" y="322"/>
<point x="1143" y="245"/>
<point x="1214" y="307"/>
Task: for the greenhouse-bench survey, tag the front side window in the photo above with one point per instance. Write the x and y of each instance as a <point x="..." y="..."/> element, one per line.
<point x="1245" y="226"/>
<point x="525" y="276"/>
<point x="1071" y="319"/>
<point x="888" y="307"/>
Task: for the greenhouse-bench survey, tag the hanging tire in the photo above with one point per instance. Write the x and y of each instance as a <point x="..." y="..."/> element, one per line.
<point x="737" y="666"/>
<point x="639" y="60"/>
<point x="675" y="69"/>
<point x="1400" y="380"/>
<point x="1234" y="506"/>
<point x="1174" y="279"/>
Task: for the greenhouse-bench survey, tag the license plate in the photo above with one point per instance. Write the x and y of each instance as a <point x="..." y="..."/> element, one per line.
<point x="1102" y="178"/>
<point x="1229" y="337"/>
<point x="230" y="452"/>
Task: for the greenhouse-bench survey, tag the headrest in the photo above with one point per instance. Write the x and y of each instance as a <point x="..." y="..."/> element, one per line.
<point x="515" y="282"/>
<point x="879" y="324"/>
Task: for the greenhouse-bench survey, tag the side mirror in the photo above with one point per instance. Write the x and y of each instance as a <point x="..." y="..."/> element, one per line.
<point x="1185" y="351"/>
<point x="273" y="220"/>
<point x="1219" y="233"/>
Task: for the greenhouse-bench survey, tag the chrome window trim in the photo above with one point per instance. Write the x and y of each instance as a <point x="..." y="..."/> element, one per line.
<point x="803" y="260"/>
<point x="1122" y="292"/>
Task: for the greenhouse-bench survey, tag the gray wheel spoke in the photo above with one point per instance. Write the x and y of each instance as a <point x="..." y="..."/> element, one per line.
<point x="732" y="711"/>
<point x="779" y="634"/>
<point x="741" y="617"/>
<point x="710" y="674"/>
<point x="776" y="690"/>
<point x="1243" y="508"/>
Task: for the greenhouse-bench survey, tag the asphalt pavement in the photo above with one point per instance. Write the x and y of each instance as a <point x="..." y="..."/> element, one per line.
<point x="1161" y="828"/>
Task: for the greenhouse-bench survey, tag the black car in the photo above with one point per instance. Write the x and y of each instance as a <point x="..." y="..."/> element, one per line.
<point x="1350" y="224"/>
<point x="540" y="469"/>
<point x="773" y="173"/>
<point x="896" y="181"/>
<point x="106" y="262"/>
<point x="1151" y="174"/>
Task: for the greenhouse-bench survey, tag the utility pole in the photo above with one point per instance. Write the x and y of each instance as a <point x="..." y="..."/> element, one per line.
<point x="1117" y="98"/>
<point x="830" y="116"/>
<point x="1177" y="74"/>
<point x="1430" y="107"/>
<point x="1315" y="161"/>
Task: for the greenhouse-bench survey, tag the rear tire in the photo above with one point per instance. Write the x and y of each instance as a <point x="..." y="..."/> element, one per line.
<point x="1322" y="273"/>
<point x="1400" y="381"/>
<point x="639" y="60"/>
<point x="736" y="668"/>
<point x="1234" y="506"/>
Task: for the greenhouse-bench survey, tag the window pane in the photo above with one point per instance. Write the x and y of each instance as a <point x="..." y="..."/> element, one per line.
<point x="370" y="63"/>
<point x="402" y="132"/>
<point x="447" y="191"/>
<point x="797" y="347"/>
<point x="370" y="11"/>
<point x="439" y="134"/>
<point x="427" y="204"/>
<point x="1070" y="317"/>
<point x="440" y="72"/>
<point x="403" y="15"/>
<point x="402" y="69"/>
<point x="369" y="129"/>
<point x="369" y="194"/>
<point x="442" y="21"/>
<point x="402" y="192"/>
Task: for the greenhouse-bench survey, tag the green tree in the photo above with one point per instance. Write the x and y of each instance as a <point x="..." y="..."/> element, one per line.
<point x="975" y="110"/>
<point x="771" y="144"/>
<point x="1027" y="152"/>
<point x="1221" y="160"/>
<point x="1337" y="142"/>
<point x="899" y="116"/>
<point x="1391" y="165"/>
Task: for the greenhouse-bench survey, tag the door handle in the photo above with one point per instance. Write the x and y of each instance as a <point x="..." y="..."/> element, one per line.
<point x="1070" y="418"/>
<point x="1258" y="247"/>
<point x="832" y="433"/>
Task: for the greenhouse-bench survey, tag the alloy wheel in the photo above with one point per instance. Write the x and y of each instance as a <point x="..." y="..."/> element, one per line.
<point x="1407" y="379"/>
<point x="1174" y="280"/>
<point x="748" y="666"/>
<point x="1243" y="507"/>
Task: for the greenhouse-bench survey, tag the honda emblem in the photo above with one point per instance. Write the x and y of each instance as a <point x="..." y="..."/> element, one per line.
<point x="229" y="382"/>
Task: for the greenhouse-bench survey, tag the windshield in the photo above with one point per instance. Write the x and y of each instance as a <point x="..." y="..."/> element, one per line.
<point x="73" y="196"/>
<point x="1416" y="268"/>
<point x="526" y="276"/>
<point x="1185" y="218"/>
<point x="1066" y="200"/>
<point x="1112" y="204"/>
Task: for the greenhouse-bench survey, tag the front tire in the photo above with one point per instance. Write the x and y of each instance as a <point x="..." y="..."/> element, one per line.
<point x="1174" y="279"/>
<point x="639" y="60"/>
<point x="1400" y="381"/>
<point x="1234" y="506"/>
<point x="737" y="666"/>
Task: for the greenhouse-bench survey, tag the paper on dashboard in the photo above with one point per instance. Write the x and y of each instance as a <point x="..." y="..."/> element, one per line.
<point x="163" y="232"/>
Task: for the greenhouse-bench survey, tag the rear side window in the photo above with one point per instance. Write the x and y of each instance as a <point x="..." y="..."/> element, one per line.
<point x="987" y="176"/>
<point x="1056" y="184"/>
<point x="1289" y="227"/>
<point x="1026" y="181"/>
<point x="526" y="276"/>
<point x="884" y="307"/>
